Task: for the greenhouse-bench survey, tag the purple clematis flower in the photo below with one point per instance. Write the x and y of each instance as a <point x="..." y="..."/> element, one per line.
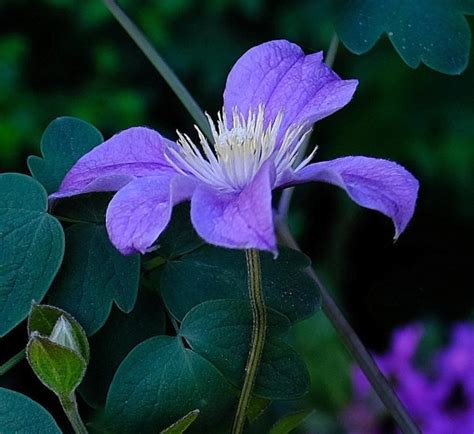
<point x="274" y="94"/>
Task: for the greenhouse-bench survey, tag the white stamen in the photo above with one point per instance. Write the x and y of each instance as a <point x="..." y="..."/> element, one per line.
<point x="238" y="151"/>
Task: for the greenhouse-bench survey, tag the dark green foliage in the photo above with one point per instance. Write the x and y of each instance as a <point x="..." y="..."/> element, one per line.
<point x="162" y="378"/>
<point x="159" y="381"/>
<point x="433" y="32"/>
<point x="111" y="344"/>
<point x="32" y="246"/>
<point x="213" y="273"/>
<point x="93" y="276"/>
<point x="20" y="414"/>
<point x="220" y="330"/>
<point x="88" y="208"/>
<point x="64" y="141"/>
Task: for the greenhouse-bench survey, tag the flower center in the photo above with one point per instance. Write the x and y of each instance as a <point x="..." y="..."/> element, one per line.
<point x="239" y="150"/>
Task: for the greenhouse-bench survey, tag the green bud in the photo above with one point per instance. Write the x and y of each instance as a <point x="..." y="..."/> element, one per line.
<point x="58" y="350"/>
<point x="46" y="321"/>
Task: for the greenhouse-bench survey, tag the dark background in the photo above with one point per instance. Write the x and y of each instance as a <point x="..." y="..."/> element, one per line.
<point x="67" y="57"/>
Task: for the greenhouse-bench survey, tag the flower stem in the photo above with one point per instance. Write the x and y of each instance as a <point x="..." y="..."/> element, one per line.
<point x="355" y="346"/>
<point x="69" y="405"/>
<point x="9" y="364"/>
<point x="259" y="316"/>
<point x="161" y="66"/>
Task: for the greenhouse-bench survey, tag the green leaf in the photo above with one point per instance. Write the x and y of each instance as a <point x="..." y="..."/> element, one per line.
<point x="434" y="32"/>
<point x="94" y="274"/>
<point x="290" y="422"/>
<point x="21" y="415"/>
<point x="43" y="319"/>
<point x="59" y="368"/>
<point x="211" y="273"/>
<point x="183" y="424"/>
<point x="327" y="358"/>
<point x="32" y="247"/>
<point x="220" y="331"/>
<point x="64" y="141"/>
<point x="111" y="344"/>
<point x="159" y="381"/>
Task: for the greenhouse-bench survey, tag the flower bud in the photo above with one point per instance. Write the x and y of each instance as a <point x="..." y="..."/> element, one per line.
<point x="62" y="334"/>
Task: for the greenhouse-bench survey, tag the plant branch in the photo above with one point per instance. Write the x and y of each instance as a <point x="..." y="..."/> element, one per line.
<point x="355" y="346"/>
<point x="69" y="406"/>
<point x="257" y="342"/>
<point x="9" y="364"/>
<point x="161" y="66"/>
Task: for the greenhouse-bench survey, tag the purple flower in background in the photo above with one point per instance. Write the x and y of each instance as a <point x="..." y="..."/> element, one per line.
<point x="453" y="388"/>
<point x="441" y="402"/>
<point x="411" y="385"/>
<point x="273" y="96"/>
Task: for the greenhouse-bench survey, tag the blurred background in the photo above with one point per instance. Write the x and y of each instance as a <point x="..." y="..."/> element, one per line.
<point x="69" y="57"/>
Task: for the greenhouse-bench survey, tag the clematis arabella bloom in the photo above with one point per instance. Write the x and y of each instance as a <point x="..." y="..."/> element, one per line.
<point x="273" y="96"/>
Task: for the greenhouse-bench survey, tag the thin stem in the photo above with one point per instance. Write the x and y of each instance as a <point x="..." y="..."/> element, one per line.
<point x="69" y="220"/>
<point x="259" y="316"/>
<point x="287" y="194"/>
<point x="332" y="50"/>
<point x="355" y="346"/>
<point x="9" y="364"/>
<point x="69" y="405"/>
<point x="161" y="66"/>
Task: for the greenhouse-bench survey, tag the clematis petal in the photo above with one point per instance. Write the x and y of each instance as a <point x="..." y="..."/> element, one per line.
<point x="141" y="210"/>
<point x="279" y="75"/>
<point x="373" y="183"/>
<point x="239" y="220"/>
<point x="132" y="153"/>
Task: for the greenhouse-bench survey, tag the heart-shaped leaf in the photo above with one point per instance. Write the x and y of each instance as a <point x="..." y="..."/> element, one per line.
<point x="111" y="344"/>
<point x="210" y="273"/>
<point x="159" y="381"/>
<point x="32" y="247"/>
<point x="64" y="141"/>
<point x="433" y="32"/>
<point x="94" y="274"/>
<point x="20" y="414"/>
<point x="220" y="331"/>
